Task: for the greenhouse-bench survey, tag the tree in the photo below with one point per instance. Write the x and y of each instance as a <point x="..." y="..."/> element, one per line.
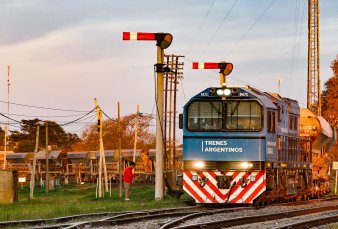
<point x="334" y="66"/>
<point x="2" y="137"/>
<point x="330" y="96"/>
<point x="110" y="134"/>
<point x="57" y="137"/>
<point x="330" y="103"/>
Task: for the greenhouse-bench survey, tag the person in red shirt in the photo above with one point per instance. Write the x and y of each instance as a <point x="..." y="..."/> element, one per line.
<point x="128" y="179"/>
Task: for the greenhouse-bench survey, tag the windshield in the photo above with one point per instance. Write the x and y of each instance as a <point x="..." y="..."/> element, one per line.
<point x="231" y="115"/>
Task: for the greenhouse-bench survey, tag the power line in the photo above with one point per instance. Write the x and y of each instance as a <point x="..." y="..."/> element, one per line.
<point x="9" y="118"/>
<point x="45" y="116"/>
<point x="67" y="123"/>
<point x="107" y="116"/>
<point x="78" y="118"/>
<point x="39" y="107"/>
<point x="200" y="27"/>
<point x="253" y="25"/>
<point x="219" y="27"/>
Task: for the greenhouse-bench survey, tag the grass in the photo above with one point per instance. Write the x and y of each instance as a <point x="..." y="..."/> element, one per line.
<point x="79" y="199"/>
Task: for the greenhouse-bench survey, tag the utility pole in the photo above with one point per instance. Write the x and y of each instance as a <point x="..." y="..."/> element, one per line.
<point x="314" y="102"/>
<point x="47" y="159"/>
<point x="7" y="126"/>
<point x="102" y="159"/>
<point x="5" y="148"/>
<point x="171" y="78"/>
<point x="120" y="153"/>
<point x="32" y="183"/>
<point x="279" y="81"/>
<point x="136" y="131"/>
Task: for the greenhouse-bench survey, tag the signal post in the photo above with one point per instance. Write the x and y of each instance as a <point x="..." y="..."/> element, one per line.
<point x="163" y="41"/>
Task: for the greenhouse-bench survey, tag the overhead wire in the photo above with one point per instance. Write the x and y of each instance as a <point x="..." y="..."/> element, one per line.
<point x="200" y="27"/>
<point x="252" y="26"/>
<point x="67" y="123"/>
<point x="219" y="27"/>
<point x="81" y="130"/>
<point x="297" y="32"/>
<point x="45" y="116"/>
<point x="5" y="116"/>
<point x="107" y="116"/>
<point x="64" y="124"/>
<point x="40" y="107"/>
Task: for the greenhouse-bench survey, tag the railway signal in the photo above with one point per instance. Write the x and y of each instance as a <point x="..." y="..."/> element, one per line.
<point x="224" y="67"/>
<point x="163" y="41"/>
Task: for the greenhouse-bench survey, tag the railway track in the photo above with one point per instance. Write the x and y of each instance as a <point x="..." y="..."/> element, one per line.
<point x="332" y="209"/>
<point x="68" y="221"/>
<point x="175" y="217"/>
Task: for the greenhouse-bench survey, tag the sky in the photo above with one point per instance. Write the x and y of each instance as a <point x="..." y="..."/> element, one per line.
<point x="63" y="54"/>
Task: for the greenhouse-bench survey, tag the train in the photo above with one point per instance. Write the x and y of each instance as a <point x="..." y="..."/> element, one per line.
<point x="82" y="166"/>
<point x="245" y="146"/>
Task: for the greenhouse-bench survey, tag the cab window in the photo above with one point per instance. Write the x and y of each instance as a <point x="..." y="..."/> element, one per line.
<point x="243" y="115"/>
<point x="205" y="115"/>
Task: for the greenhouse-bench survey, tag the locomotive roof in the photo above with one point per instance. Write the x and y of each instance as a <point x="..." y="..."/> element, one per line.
<point x="270" y="100"/>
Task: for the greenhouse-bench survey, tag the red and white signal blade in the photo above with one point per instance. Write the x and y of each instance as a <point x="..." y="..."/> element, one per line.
<point x="205" y="65"/>
<point x="138" y="36"/>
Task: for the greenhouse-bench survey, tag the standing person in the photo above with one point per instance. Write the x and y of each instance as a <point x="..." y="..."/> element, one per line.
<point x="128" y="179"/>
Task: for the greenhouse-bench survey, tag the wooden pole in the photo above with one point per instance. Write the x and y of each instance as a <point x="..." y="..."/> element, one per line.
<point x="103" y="154"/>
<point x="47" y="159"/>
<point x="5" y="149"/>
<point x="100" y="156"/>
<point x="174" y="118"/>
<point x="335" y="189"/>
<point x="32" y="183"/>
<point x="136" y="130"/>
<point x="120" y="154"/>
<point x="7" y="126"/>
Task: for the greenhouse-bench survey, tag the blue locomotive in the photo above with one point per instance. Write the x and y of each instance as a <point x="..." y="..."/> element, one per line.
<point x="242" y="145"/>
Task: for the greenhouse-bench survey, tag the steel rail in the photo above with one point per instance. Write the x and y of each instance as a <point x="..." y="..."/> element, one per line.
<point x="258" y="218"/>
<point x="43" y="223"/>
<point x="311" y="223"/>
<point x="195" y="215"/>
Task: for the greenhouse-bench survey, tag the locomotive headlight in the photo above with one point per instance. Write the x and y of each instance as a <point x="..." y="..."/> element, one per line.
<point x="246" y="165"/>
<point x="199" y="164"/>
<point x="227" y="92"/>
<point x="219" y="92"/>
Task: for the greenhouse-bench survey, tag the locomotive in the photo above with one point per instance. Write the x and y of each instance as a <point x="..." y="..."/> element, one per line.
<point x="245" y="146"/>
